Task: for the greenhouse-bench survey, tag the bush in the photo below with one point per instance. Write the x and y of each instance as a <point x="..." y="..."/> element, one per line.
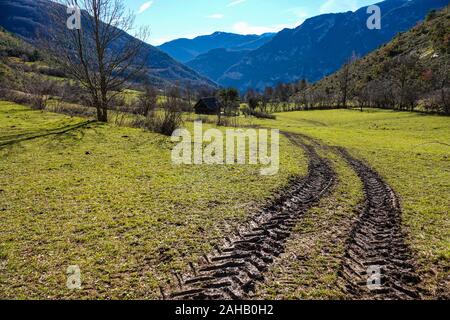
<point x="258" y="114"/>
<point x="40" y="90"/>
<point x="147" y="102"/>
<point x="53" y="72"/>
<point x="227" y="121"/>
<point x="205" y="119"/>
<point x="164" y="121"/>
<point x="72" y="110"/>
<point x="431" y="15"/>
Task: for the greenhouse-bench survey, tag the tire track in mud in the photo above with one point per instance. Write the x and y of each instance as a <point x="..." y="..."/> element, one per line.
<point x="234" y="270"/>
<point x="377" y="242"/>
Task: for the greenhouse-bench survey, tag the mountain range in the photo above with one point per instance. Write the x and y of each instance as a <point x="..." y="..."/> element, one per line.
<point x="216" y="62"/>
<point x="185" y="50"/>
<point x="313" y="50"/>
<point x="29" y="18"/>
<point x="321" y="45"/>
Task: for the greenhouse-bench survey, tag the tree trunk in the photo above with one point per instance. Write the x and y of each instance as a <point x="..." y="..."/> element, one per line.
<point x="99" y="112"/>
<point x="104" y="106"/>
<point x="104" y="115"/>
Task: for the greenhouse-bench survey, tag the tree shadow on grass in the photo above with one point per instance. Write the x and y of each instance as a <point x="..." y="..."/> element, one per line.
<point x="44" y="133"/>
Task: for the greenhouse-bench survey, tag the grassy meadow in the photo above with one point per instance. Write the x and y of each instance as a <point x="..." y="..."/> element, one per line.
<point x="412" y="152"/>
<point x="107" y="198"/>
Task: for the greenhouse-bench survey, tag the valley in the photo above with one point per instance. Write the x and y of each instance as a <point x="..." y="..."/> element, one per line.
<point x="130" y="171"/>
<point x="59" y="190"/>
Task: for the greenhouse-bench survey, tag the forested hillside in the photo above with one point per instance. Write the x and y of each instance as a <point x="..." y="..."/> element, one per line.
<point x="410" y="72"/>
<point x="322" y="44"/>
<point x="33" y="20"/>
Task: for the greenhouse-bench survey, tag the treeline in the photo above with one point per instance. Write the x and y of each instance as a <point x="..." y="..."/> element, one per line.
<point x="401" y="82"/>
<point x="274" y="99"/>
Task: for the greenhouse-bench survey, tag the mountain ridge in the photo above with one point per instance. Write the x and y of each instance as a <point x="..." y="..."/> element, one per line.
<point x="420" y="55"/>
<point x="185" y="50"/>
<point x="322" y="44"/>
<point x="216" y="62"/>
<point x="26" y="19"/>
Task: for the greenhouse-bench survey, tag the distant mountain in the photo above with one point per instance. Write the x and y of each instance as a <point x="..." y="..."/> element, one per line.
<point x="185" y="50"/>
<point x="321" y="45"/>
<point x="216" y="62"/>
<point x="28" y="18"/>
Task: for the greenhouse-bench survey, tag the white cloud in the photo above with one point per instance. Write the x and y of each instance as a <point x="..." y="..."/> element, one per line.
<point x="160" y="41"/>
<point x="300" y="13"/>
<point x="235" y="3"/>
<point x="334" y="6"/>
<point x="245" y="28"/>
<point x="215" y="16"/>
<point x="145" y="7"/>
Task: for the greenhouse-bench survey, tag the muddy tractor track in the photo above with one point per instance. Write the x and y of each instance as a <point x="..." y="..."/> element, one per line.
<point x="376" y="250"/>
<point x="234" y="270"/>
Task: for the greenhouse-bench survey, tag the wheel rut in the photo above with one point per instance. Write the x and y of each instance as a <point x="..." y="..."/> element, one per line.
<point x="376" y="244"/>
<point x="234" y="270"/>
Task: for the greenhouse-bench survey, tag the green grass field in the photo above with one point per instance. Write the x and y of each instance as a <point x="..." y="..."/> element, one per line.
<point x="412" y="152"/>
<point x="108" y="199"/>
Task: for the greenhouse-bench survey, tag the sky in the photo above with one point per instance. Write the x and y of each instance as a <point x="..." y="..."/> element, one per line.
<point x="173" y="19"/>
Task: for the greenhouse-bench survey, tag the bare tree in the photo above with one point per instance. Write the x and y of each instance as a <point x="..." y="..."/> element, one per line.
<point x="266" y="98"/>
<point x="344" y="79"/>
<point x="229" y="101"/>
<point x="382" y="93"/>
<point x="147" y="101"/>
<point x="253" y="98"/>
<point x="205" y="92"/>
<point x="442" y="80"/>
<point x="282" y="94"/>
<point x="169" y="118"/>
<point x="189" y="94"/>
<point x="302" y="97"/>
<point x="363" y="96"/>
<point x="100" y="54"/>
<point x="404" y="72"/>
<point x="39" y="90"/>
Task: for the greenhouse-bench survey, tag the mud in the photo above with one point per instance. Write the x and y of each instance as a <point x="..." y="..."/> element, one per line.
<point x="235" y="269"/>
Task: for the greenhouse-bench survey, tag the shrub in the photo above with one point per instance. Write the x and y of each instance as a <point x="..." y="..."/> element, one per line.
<point x="147" y="101"/>
<point x="431" y="15"/>
<point x="39" y="90"/>
<point x="165" y="121"/>
<point x="258" y="114"/>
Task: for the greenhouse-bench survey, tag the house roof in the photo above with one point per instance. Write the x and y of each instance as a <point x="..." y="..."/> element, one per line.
<point x="211" y="103"/>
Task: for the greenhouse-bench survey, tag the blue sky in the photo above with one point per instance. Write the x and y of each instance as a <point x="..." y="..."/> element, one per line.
<point x="171" y="19"/>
